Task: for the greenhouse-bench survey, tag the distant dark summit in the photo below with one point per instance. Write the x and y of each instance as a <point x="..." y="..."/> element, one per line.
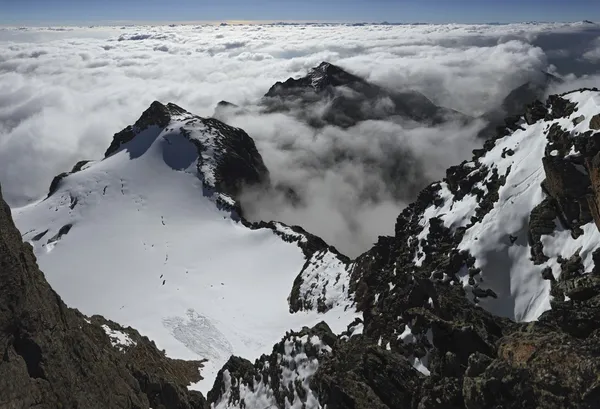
<point x="516" y="102"/>
<point x="349" y="100"/>
<point x="227" y="104"/>
<point x="518" y="99"/>
<point x="318" y="78"/>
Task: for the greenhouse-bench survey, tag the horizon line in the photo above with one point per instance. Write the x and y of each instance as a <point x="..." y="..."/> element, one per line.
<point x="115" y="23"/>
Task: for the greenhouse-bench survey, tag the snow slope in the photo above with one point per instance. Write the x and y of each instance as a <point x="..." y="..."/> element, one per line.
<point x="499" y="241"/>
<point x="144" y="239"/>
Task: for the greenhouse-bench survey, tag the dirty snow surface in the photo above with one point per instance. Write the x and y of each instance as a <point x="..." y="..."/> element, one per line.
<point x="138" y="239"/>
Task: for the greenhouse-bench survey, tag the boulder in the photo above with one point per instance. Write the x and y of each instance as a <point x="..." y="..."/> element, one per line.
<point x="595" y="122"/>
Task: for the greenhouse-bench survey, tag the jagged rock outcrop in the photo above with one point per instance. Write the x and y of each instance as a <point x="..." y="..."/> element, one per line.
<point x="57" y="179"/>
<point x="280" y="380"/>
<point x="323" y="282"/>
<point x="53" y="357"/>
<point x="595" y="122"/>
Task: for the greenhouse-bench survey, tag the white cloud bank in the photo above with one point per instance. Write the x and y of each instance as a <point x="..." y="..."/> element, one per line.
<point x="66" y="92"/>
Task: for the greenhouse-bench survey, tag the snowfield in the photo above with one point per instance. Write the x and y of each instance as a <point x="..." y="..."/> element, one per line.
<point x="139" y="239"/>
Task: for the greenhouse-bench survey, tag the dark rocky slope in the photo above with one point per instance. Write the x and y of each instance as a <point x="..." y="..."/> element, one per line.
<point x="423" y="341"/>
<point x="53" y="357"/>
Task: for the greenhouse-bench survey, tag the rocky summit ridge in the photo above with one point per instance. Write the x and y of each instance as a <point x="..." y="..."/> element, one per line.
<point x="487" y="295"/>
<point x="424" y="341"/>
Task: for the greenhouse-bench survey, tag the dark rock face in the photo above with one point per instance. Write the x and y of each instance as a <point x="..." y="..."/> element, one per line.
<point x="359" y="375"/>
<point x="55" y="184"/>
<point x="595" y="122"/>
<point x="537" y="368"/>
<point x="157" y="114"/>
<point x="238" y="162"/>
<point x="572" y="180"/>
<point x="350" y="99"/>
<point x="54" y="358"/>
<point x="541" y="221"/>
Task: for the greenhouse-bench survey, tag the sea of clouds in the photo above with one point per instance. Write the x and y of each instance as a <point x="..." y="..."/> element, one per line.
<point x="66" y="91"/>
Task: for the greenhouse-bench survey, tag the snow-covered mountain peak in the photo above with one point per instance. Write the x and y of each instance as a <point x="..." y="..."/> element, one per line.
<point x="151" y="236"/>
<point x="327" y="74"/>
<point x="156" y="115"/>
<point x="318" y="79"/>
<point x="224" y="157"/>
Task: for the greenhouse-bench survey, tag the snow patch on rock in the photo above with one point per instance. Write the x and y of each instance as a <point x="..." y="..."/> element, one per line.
<point x="118" y="339"/>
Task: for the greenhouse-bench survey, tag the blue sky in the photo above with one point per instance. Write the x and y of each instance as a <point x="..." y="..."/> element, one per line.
<point x="437" y="11"/>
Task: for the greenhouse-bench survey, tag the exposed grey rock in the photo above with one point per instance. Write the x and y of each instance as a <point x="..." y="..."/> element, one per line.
<point x="595" y="122"/>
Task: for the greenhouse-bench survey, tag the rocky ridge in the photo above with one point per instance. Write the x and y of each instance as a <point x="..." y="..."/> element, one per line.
<point x="516" y="102"/>
<point x="424" y="340"/>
